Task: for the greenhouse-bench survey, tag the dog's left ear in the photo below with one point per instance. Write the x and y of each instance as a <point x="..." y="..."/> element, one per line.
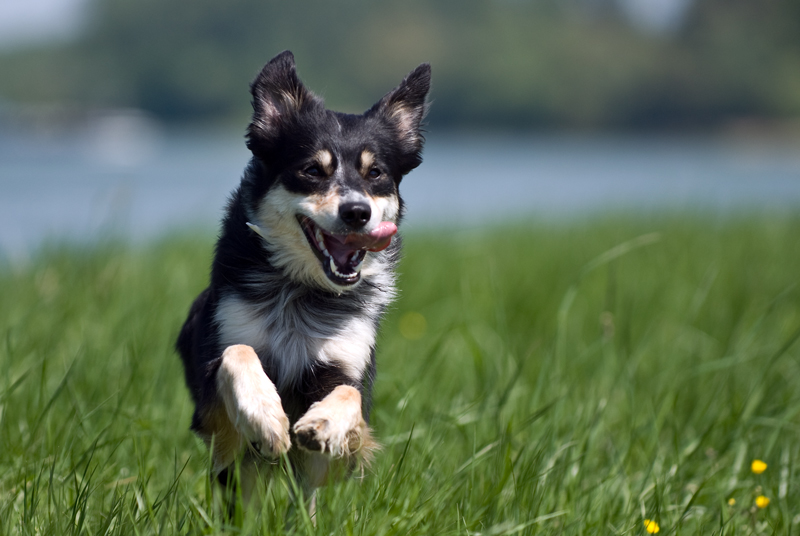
<point x="404" y="109"/>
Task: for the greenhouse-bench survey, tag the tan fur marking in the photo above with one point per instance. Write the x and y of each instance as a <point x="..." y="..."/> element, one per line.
<point x="294" y="100"/>
<point x="217" y="431"/>
<point x="367" y="160"/>
<point x="367" y="447"/>
<point x="323" y="205"/>
<point x="344" y="394"/>
<point x="325" y="159"/>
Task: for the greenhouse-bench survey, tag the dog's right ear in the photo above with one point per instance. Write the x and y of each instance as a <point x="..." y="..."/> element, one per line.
<point x="278" y="96"/>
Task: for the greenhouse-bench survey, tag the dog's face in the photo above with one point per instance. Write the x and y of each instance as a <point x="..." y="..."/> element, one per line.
<point x="323" y="187"/>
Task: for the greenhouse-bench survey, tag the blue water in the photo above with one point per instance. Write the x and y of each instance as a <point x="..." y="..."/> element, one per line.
<point x="127" y="177"/>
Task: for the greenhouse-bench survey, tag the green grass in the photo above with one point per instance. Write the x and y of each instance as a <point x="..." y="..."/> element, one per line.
<point x="556" y="379"/>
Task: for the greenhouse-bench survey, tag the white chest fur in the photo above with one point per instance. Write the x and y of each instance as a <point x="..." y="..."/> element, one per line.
<point x="291" y="338"/>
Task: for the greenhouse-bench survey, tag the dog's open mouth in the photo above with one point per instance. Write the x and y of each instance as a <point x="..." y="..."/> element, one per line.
<point x="342" y="255"/>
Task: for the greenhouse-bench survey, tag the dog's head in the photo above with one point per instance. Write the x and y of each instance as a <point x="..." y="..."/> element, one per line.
<point x="323" y="186"/>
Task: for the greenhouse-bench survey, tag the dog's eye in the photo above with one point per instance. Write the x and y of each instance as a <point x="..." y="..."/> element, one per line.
<point x="313" y="171"/>
<point x="374" y="173"/>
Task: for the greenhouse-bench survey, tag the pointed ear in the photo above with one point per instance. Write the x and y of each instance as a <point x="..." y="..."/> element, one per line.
<point x="404" y="108"/>
<point x="278" y="96"/>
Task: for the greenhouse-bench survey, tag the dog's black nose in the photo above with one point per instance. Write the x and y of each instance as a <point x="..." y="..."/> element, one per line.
<point x="355" y="213"/>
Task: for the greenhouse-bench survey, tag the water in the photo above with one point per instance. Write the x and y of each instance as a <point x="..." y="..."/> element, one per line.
<point x="123" y="176"/>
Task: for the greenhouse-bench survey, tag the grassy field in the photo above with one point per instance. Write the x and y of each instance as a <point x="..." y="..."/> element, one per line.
<point x="575" y="378"/>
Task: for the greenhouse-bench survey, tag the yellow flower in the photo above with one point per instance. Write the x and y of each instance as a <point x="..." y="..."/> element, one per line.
<point x="651" y="526"/>
<point x="758" y="467"/>
<point x="731" y="501"/>
<point x="762" y="502"/>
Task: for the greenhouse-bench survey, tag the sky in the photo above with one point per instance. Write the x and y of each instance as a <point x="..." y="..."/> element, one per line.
<point x="31" y="21"/>
<point x="655" y="16"/>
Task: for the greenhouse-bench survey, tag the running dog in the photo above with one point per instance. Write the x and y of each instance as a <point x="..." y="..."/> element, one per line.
<point x="279" y="350"/>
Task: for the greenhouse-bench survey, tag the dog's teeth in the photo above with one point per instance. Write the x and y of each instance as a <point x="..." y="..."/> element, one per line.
<point x="337" y="273"/>
<point x="358" y="266"/>
<point x="320" y="238"/>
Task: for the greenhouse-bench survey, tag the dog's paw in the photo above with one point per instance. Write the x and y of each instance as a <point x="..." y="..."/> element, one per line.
<point x="334" y="425"/>
<point x="252" y="402"/>
<point x="261" y="420"/>
<point x="327" y="436"/>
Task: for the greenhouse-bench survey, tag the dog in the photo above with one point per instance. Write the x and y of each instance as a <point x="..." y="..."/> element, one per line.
<point x="279" y="350"/>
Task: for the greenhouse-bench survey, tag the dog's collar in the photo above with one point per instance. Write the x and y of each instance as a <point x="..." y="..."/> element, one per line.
<point x="256" y="229"/>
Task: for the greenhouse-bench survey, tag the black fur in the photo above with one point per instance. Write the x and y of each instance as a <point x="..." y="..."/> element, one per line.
<point x="290" y="125"/>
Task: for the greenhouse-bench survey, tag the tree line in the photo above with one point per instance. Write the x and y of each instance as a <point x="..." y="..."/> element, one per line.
<point x="499" y="63"/>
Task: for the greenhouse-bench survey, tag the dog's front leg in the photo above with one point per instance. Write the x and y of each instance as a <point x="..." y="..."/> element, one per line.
<point x="251" y="402"/>
<point x="335" y="425"/>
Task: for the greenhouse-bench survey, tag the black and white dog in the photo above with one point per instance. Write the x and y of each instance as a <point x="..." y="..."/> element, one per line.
<point x="279" y="350"/>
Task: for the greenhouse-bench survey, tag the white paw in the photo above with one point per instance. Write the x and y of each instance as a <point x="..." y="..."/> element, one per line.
<point x="334" y="425"/>
<point x="252" y="402"/>
<point x="260" y="418"/>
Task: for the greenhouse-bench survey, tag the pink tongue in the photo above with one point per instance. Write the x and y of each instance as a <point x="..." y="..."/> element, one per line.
<point x="377" y="240"/>
<point x="341" y="248"/>
<point x="382" y="235"/>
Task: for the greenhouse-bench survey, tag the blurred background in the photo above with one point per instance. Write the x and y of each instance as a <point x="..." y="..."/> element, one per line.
<point x="122" y="118"/>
